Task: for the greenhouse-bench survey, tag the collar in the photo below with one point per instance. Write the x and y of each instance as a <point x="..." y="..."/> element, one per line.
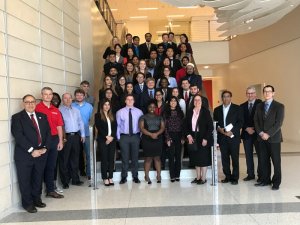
<point x="28" y="113"/>
<point x="269" y="103"/>
<point x="141" y="84"/>
<point x="227" y="106"/>
<point x="196" y="112"/>
<point x="67" y="107"/>
<point x="251" y="102"/>
<point x="127" y="108"/>
<point x="78" y="104"/>
<point x="149" y="69"/>
<point x="43" y="105"/>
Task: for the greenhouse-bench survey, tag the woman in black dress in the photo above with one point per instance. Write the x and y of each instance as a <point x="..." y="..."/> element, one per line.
<point x="198" y="118"/>
<point x="106" y="125"/>
<point x="129" y="90"/>
<point x="152" y="126"/>
<point x="115" y="105"/>
<point x="173" y="117"/>
<point x="120" y="86"/>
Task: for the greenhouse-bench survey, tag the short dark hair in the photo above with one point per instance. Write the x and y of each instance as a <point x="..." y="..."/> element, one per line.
<point x="164" y="34"/>
<point x="136" y="37"/>
<point x="164" y="78"/>
<point x="85" y="82"/>
<point x="185" y="57"/>
<point x="169" y="47"/>
<point x="152" y="101"/>
<point x="117" y="45"/>
<point x="269" y="86"/>
<point x="148" y="33"/>
<point x="171" y="33"/>
<point x="186" y="38"/>
<point x="28" y="95"/>
<point x="153" y="50"/>
<point x="184" y="79"/>
<point x="140" y="73"/>
<point x="129" y="95"/>
<point x="112" y="53"/>
<point x="135" y="56"/>
<point x="79" y="91"/>
<point x="194" y="85"/>
<point x="128" y="35"/>
<point x="226" y="92"/>
<point x="160" y="45"/>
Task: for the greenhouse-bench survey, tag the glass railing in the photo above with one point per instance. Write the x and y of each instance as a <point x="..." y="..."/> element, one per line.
<point x="107" y="15"/>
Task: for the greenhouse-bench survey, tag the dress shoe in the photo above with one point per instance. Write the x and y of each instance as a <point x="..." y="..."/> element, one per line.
<point x="82" y="173"/>
<point x="158" y="180"/>
<point x="123" y="180"/>
<point x="111" y="183"/>
<point x="39" y="204"/>
<point x="65" y="186"/>
<point x="259" y="180"/>
<point x="107" y="185"/>
<point x="226" y="180"/>
<point x="177" y="179"/>
<point x="78" y="183"/>
<point x="53" y="195"/>
<point x="172" y="180"/>
<point x="31" y="209"/>
<point x="195" y="181"/>
<point x="261" y="184"/>
<point x="275" y="188"/>
<point x="234" y="182"/>
<point x="136" y="180"/>
<point x="201" y="182"/>
<point x="248" y="178"/>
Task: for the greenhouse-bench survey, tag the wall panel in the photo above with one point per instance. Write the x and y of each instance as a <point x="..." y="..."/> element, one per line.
<point x="73" y="79"/>
<point x="5" y="155"/>
<point x="5" y="176"/>
<point x="59" y="89"/>
<point x="72" y="52"/>
<point x="72" y="66"/>
<point x="33" y="3"/>
<point x="5" y="198"/>
<point x="70" y="10"/>
<point x="4" y="109"/>
<point x="2" y="65"/>
<point x="56" y="3"/>
<point x="71" y="38"/>
<point x="16" y="69"/>
<point x="3" y="87"/>
<point x="51" y="27"/>
<point x="52" y="43"/>
<point x="52" y="59"/>
<point x="71" y="24"/>
<point x="52" y="75"/>
<point x="4" y="136"/>
<point x="51" y="11"/>
<point x="28" y="87"/>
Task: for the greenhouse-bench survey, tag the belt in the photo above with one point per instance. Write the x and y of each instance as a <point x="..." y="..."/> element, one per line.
<point x="72" y="133"/>
<point x="128" y="134"/>
<point x="54" y="136"/>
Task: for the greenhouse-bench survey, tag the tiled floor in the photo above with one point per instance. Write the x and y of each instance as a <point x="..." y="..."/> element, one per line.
<point x="175" y="203"/>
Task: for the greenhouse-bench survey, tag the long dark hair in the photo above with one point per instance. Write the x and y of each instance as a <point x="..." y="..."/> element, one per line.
<point x="109" y="113"/>
<point x="167" y="112"/>
<point x="186" y="38"/>
<point x="179" y="96"/>
<point x="192" y="106"/>
<point x="125" y="90"/>
<point x="119" y="89"/>
<point x="162" y="71"/>
<point x="127" y="56"/>
<point x="113" y="100"/>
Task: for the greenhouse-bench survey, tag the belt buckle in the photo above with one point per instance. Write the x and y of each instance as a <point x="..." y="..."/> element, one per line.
<point x="72" y="134"/>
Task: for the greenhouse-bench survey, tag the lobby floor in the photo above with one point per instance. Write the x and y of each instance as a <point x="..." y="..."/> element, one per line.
<point x="174" y="203"/>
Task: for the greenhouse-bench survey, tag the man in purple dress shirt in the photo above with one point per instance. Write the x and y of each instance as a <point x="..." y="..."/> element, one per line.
<point x="128" y="134"/>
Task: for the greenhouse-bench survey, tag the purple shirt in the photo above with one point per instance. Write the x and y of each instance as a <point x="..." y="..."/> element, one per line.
<point x="123" y="120"/>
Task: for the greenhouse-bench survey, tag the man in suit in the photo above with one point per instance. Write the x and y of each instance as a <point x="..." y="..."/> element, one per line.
<point x="229" y="139"/>
<point x="141" y="85"/>
<point x="191" y="76"/>
<point x="194" y="90"/>
<point x="154" y="71"/>
<point x="171" y="43"/>
<point x="182" y="72"/>
<point x="136" y="46"/>
<point x="167" y="92"/>
<point x="185" y="90"/>
<point x="268" y="120"/>
<point x="175" y="63"/>
<point x="113" y="63"/>
<point x="153" y="57"/>
<point x="249" y="135"/>
<point x="147" y="47"/>
<point x="165" y="42"/>
<point x="147" y="95"/>
<point x="128" y="45"/>
<point x="32" y="134"/>
<point x="160" y="53"/>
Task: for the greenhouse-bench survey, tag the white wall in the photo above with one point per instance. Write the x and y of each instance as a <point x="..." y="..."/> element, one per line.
<point x="138" y="28"/>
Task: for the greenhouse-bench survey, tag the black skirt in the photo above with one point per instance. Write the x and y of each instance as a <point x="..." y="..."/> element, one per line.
<point x="201" y="157"/>
<point x="152" y="147"/>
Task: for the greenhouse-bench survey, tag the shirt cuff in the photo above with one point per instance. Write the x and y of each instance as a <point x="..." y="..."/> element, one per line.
<point x="260" y="133"/>
<point x="30" y="150"/>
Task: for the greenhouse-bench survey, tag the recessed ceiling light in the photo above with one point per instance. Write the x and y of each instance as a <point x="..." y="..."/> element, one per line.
<point x="138" y="17"/>
<point x="205" y="67"/>
<point x="110" y="9"/>
<point x="249" y="28"/>
<point x="146" y="8"/>
<point x="175" y="16"/>
<point x="188" y="7"/>
<point x="173" y="26"/>
<point x="161" y="32"/>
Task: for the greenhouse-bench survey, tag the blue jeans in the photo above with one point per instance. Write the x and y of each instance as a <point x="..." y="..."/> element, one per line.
<point x="86" y="146"/>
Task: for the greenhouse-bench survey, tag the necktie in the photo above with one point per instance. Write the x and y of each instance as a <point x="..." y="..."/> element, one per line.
<point x="164" y="97"/>
<point x="141" y="86"/>
<point x="130" y="123"/>
<point x="151" y="95"/>
<point x="148" y="45"/>
<point x="250" y="108"/>
<point x="266" y="109"/>
<point x="186" y="97"/>
<point x="37" y="129"/>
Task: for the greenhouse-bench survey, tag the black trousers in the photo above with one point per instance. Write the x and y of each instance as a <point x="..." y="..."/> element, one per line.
<point x="175" y="153"/>
<point x="107" y="154"/>
<point x="30" y="177"/>
<point x="248" y="147"/>
<point x="267" y="151"/>
<point x="230" y="150"/>
<point x="81" y="159"/>
<point x="163" y="153"/>
<point x="68" y="159"/>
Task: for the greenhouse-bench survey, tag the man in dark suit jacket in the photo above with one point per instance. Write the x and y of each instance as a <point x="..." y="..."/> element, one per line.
<point x="184" y="90"/>
<point x="147" y="95"/>
<point x="175" y="63"/>
<point x="113" y="64"/>
<point x="268" y="120"/>
<point x="147" y="47"/>
<point x="249" y="135"/>
<point x="191" y="76"/>
<point x="229" y="139"/>
<point x="128" y="45"/>
<point x="32" y="134"/>
<point x="141" y="85"/>
<point x="171" y="43"/>
<point x="164" y="83"/>
<point x="193" y="91"/>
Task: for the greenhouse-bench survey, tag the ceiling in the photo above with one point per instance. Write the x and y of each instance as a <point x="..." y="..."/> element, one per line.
<point x="129" y="8"/>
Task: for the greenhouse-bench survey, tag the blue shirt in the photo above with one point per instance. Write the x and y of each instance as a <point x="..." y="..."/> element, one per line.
<point x="153" y="92"/>
<point x="151" y="71"/>
<point x="137" y="51"/>
<point x="269" y="103"/>
<point x="72" y="120"/>
<point x="86" y="110"/>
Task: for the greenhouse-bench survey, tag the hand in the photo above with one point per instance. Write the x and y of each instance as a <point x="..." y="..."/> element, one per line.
<point x="154" y="135"/>
<point x="191" y="140"/>
<point x="83" y="139"/>
<point x="60" y="146"/>
<point x="264" y="136"/>
<point x="182" y="141"/>
<point x="109" y="138"/>
<point x="250" y="130"/>
<point x="228" y="134"/>
<point x="42" y="151"/>
<point x="36" y="153"/>
<point x="107" y="142"/>
<point x="221" y="130"/>
<point x="169" y="143"/>
<point x="204" y="142"/>
<point x="64" y="141"/>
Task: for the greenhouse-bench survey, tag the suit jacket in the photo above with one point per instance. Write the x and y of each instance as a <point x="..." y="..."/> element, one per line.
<point x="194" y="79"/>
<point x="272" y="123"/>
<point x="156" y="75"/>
<point x="205" y="125"/>
<point x="26" y="136"/>
<point x="102" y="127"/>
<point x="235" y="116"/>
<point x="205" y="103"/>
<point x="163" y="108"/>
<point x="176" y="66"/>
<point x="249" y="119"/>
<point x="138" y="90"/>
<point x="169" y="93"/>
<point x="109" y="65"/>
<point x="125" y="49"/>
<point x="144" y="98"/>
<point x="121" y="60"/>
<point x="144" y="53"/>
<point x="174" y="46"/>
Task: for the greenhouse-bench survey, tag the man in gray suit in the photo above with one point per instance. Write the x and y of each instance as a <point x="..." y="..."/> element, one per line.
<point x="268" y="120"/>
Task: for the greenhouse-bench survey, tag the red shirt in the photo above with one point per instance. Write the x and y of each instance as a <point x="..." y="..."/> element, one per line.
<point x="53" y="115"/>
<point x="158" y="111"/>
<point x="180" y="73"/>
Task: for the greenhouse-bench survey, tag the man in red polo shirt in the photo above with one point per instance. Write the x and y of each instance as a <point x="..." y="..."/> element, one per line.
<point x="182" y="72"/>
<point x="56" y="123"/>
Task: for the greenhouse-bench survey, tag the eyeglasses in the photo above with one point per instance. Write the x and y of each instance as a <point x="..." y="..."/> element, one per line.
<point x="30" y="103"/>
<point x="122" y="79"/>
<point x="268" y="92"/>
<point x="226" y="96"/>
<point x="189" y="68"/>
<point x="197" y="100"/>
<point x="166" y="70"/>
<point x="250" y="93"/>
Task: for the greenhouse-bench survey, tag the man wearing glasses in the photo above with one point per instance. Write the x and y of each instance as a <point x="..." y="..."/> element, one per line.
<point x="32" y="134"/>
<point x="249" y="135"/>
<point x="230" y="119"/>
<point x="268" y="120"/>
<point x="191" y="76"/>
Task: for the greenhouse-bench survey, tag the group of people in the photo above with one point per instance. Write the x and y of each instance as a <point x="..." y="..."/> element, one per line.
<point x="138" y="106"/>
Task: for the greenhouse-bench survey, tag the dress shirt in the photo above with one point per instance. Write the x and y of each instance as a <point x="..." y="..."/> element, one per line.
<point x="151" y="71"/>
<point x="252" y="103"/>
<point x="109" y="126"/>
<point x="153" y="92"/>
<point x="148" y="45"/>
<point x="86" y="110"/>
<point x="117" y="58"/>
<point x="188" y="93"/>
<point x="194" y="120"/>
<point x="171" y="59"/>
<point x="165" y="93"/>
<point x="72" y="120"/>
<point x="269" y="103"/>
<point x="137" y="51"/>
<point x="141" y="86"/>
<point x="225" y="112"/>
<point x="123" y="120"/>
<point x="90" y="99"/>
<point x="34" y="116"/>
<point x="182" y="106"/>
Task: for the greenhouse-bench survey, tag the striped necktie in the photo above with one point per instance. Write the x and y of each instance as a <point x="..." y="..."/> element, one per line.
<point x="266" y="109"/>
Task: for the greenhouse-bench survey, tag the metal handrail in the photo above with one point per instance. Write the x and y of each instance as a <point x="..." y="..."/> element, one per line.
<point x="93" y="158"/>
<point x="107" y="15"/>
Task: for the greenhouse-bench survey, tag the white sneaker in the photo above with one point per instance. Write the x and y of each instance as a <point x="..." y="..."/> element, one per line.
<point x="58" y="191"/>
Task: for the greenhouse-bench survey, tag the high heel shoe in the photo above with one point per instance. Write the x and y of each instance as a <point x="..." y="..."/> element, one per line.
<point x="195" y="181"/>
<point x="177" y="179"/>
<point x="172" y="180"/>
<point x="201" y="182"/>
<point x="106" y="184"/>
<point x="158" y="181"/>
<point x="148" y="182"/>
<point x="111" y="183"/>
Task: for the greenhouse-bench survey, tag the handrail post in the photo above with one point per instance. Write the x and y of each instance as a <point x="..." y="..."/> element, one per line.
<point x="93" y="160"/>
<point x="208" y="30"/>
<point x="214" y="157"/>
